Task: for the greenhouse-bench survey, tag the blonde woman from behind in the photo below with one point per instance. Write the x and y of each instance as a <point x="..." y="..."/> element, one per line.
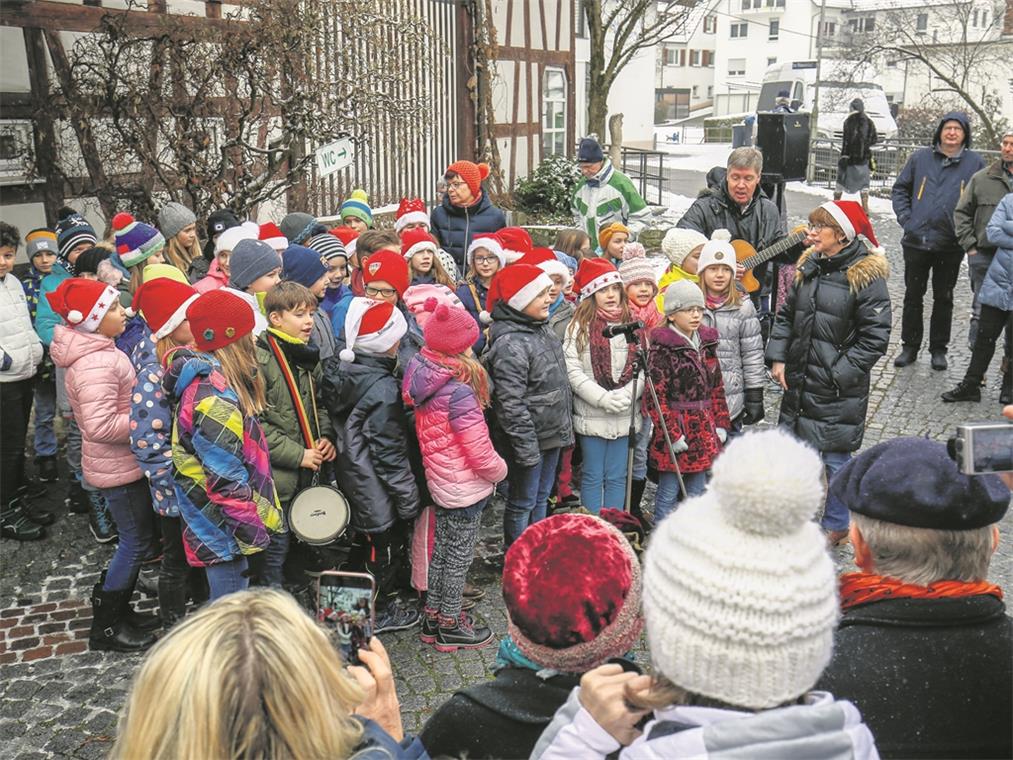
<point x="253" y="676"/>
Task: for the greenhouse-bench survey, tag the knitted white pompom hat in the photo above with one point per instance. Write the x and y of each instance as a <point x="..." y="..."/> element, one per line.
<point x="740" y="594"/>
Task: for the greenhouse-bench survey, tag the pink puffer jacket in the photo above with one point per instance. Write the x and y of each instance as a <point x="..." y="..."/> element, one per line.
<point x="462" y="468"/>
<point x="99" y="383"/>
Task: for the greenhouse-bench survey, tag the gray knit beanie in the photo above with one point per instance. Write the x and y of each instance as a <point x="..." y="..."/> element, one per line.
<point x="173" y="218"/>
<point x="297" y="226"/>
<point x="681" y="294"/>
<point x="251" y="259"/>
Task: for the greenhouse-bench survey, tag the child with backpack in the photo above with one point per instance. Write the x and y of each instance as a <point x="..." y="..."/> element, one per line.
<point x="162" y="301"/>
<point x="298" y="439"/>
<point x="221" y="464"/>
<point x="531" y="397"/>
<point x="363" y="396"/>
<point x="600" y="371"/>
<point x="449" y="389"/>
<point x="99" y="382"/>
<point x="683" y="363"/>
<point x="740" y="344"/>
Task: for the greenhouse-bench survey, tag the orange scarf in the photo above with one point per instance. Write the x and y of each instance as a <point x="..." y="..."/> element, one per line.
<point x="863" y="588"/>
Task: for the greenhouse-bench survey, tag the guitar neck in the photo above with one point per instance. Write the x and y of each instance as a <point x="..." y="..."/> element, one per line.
<point x="773" y="250"/>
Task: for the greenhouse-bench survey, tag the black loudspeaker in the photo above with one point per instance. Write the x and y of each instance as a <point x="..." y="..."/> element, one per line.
<point x="783" y="138"/>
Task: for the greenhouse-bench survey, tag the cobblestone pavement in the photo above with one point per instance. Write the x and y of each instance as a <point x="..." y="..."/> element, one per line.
<point x="59" y="700"/>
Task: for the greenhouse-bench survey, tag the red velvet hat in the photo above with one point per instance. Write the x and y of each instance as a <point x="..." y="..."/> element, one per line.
<point x="83" y="303"/>
<point x="572" y="587"/>
<point x="516" y="243"/>
<point x="163" y="303"/>
<point x="345" y="234"/>
<point x="416" y="241"/>
<point x="853" y="220"/>
<point x="517" y="285"/>
<point x="546" y="260"/>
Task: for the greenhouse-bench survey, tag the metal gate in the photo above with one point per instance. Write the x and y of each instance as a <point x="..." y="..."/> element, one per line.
<point x="398" y="159"/>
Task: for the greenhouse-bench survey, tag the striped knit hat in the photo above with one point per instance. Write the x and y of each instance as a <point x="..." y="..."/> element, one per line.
<point x="357" y="205"/>
<point x="71" y="231"/>
<point x="135" y="241"/>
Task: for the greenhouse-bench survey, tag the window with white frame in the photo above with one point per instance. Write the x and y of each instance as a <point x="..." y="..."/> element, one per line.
<point x="774" y="29"/>
<point x="696" y="91"/>
<point x="771" y="60"/>
<point x="739" y="30"/>
<point x="710" y="24"/>
<point x="553" y="111"/>
<point x="694" y="57"/>
<point x="736" y="67"/>
<point x="922" y="22"/>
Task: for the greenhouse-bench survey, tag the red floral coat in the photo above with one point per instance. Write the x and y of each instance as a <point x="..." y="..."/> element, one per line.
<point x="692" y="398"/>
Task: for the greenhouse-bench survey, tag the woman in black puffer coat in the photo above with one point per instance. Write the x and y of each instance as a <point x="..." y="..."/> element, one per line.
<point x="834" y="326"/>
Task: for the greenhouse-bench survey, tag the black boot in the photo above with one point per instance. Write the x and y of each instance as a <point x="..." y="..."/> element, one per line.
<point x="77" y="498"/>
<point x="1006" y="392"/>
<point x="939" y="360"/>
<point x="142" y="621"/>
<point x="906" y="356"/>
<point x="45" y="469"/>
<point x="968" y="390"/>
<point x="37" y="514"/>
<point x="636" y="496"/>
<point x="171" y="600"/>
<point x="109" y="632"/>
<point x="14" y="523"/>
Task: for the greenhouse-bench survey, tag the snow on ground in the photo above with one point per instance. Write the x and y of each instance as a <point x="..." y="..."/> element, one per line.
<point x="876" y="205"/>
<point x="695" y="157"/>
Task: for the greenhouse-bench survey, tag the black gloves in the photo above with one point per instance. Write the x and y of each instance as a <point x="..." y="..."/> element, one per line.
<point x="754" y="406"/>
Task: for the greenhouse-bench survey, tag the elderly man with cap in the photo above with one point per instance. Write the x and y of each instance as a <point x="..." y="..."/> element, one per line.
<point x="924" y="647"/>
<point x="606" y="195"/>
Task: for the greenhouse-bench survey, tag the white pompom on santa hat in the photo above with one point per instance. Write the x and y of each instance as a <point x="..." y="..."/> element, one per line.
<point x="852" y="219"/>
<point x="83" y="303"/>
<point x="372" y="326"/>
<point x="517" y="285"/>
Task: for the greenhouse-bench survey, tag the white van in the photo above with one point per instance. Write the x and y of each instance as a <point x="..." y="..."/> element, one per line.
<point x="840" y="83"/>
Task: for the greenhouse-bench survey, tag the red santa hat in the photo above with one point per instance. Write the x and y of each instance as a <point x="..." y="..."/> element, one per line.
<point x="373" y="326"/>
<point x="345" y="234"/>
<point x="517" y="285"/>
<point x="516" y="243"/>
<point x="546" y="260"/>
<point x="271" y="234"/>
<point x="853" y="220"/>
<point x="83" y="303"/>
<point x="410" y="211"/>
<point x="416" y="241"/>
<point x="595" y="274"/>
<point x="162" y="303"/>
<point x="492" y="243"/>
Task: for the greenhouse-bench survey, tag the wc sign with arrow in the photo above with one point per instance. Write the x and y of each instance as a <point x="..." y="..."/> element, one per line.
<point x="334" y="157"/>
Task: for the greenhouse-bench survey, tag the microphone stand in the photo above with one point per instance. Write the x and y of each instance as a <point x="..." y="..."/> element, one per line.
<point x="640" y="365"/>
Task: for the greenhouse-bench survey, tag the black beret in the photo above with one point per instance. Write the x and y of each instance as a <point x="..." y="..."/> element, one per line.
<point x="913" y="481"/>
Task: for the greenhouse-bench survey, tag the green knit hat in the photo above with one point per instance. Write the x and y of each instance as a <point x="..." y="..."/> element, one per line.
<point x="357" y="205"/>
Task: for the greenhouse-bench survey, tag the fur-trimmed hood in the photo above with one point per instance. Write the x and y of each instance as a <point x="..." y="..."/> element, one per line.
<point x="862" y="266"/>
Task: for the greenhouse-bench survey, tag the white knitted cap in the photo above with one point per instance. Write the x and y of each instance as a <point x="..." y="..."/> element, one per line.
<point x="740" y="594"/>
<point x="678" y="243"/>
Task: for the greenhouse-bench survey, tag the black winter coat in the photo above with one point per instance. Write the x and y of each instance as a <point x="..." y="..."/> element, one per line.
<point x="500" y="718"/>
<point x="455" y="226"/>
<point x="833" y="327"/>
<point x="859" y="137"/>
<point x="759" y="223"/>
<point x="532" y="403"/>
<point x="371" y="439"/>
<point x="933" y="678"/>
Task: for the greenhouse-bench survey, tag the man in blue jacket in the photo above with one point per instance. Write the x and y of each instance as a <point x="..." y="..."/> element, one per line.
<point x="924" y="197"/>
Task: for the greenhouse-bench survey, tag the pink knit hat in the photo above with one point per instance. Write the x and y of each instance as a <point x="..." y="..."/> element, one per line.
<point x="449" y="330"/>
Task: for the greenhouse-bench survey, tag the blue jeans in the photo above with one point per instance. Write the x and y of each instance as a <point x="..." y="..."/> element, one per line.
<point x="529" y="495"/>
<point x="640" y="452"/>
<point x="835" y="514"/>
<point x="130" y="506"/>
<point x="274" y="559"/>
<point x="603" y="472"/>
<point x="227" y="578"/>
<point x="668" y="491"/>
<point x="45" y="411"/>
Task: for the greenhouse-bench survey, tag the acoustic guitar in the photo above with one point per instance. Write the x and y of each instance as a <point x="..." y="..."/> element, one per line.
<point x="750" y="258"/>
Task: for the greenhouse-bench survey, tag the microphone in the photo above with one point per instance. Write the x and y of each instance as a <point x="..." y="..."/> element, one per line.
<point x="626" y="329"/>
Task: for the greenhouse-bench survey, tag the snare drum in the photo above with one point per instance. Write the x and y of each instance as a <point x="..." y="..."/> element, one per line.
<point x="319" y="515"/>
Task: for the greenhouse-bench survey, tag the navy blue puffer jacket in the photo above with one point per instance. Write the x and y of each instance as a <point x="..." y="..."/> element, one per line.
<point x="455" y="226"/>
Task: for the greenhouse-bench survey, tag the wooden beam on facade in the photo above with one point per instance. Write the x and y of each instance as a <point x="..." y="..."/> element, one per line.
<point x="64" y="17"/>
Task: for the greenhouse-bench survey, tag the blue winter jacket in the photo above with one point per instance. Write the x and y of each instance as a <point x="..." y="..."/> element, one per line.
<point x="997" y="288"/>
<point x="455" y="226"/>
<point x="928" y="188"/>
<point x="151" y="428"/>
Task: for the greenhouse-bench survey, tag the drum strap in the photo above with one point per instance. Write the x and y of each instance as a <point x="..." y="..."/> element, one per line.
<point x="293" y="389"/>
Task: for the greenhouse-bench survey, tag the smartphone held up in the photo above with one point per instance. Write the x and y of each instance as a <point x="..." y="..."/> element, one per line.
<point x="345" y="605"/>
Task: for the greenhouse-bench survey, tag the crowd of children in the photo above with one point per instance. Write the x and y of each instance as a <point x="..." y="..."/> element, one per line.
<point x="201" y="389"/>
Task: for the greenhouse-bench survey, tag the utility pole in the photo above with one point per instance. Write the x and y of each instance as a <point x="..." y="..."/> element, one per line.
<point x="814" y="117"/>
